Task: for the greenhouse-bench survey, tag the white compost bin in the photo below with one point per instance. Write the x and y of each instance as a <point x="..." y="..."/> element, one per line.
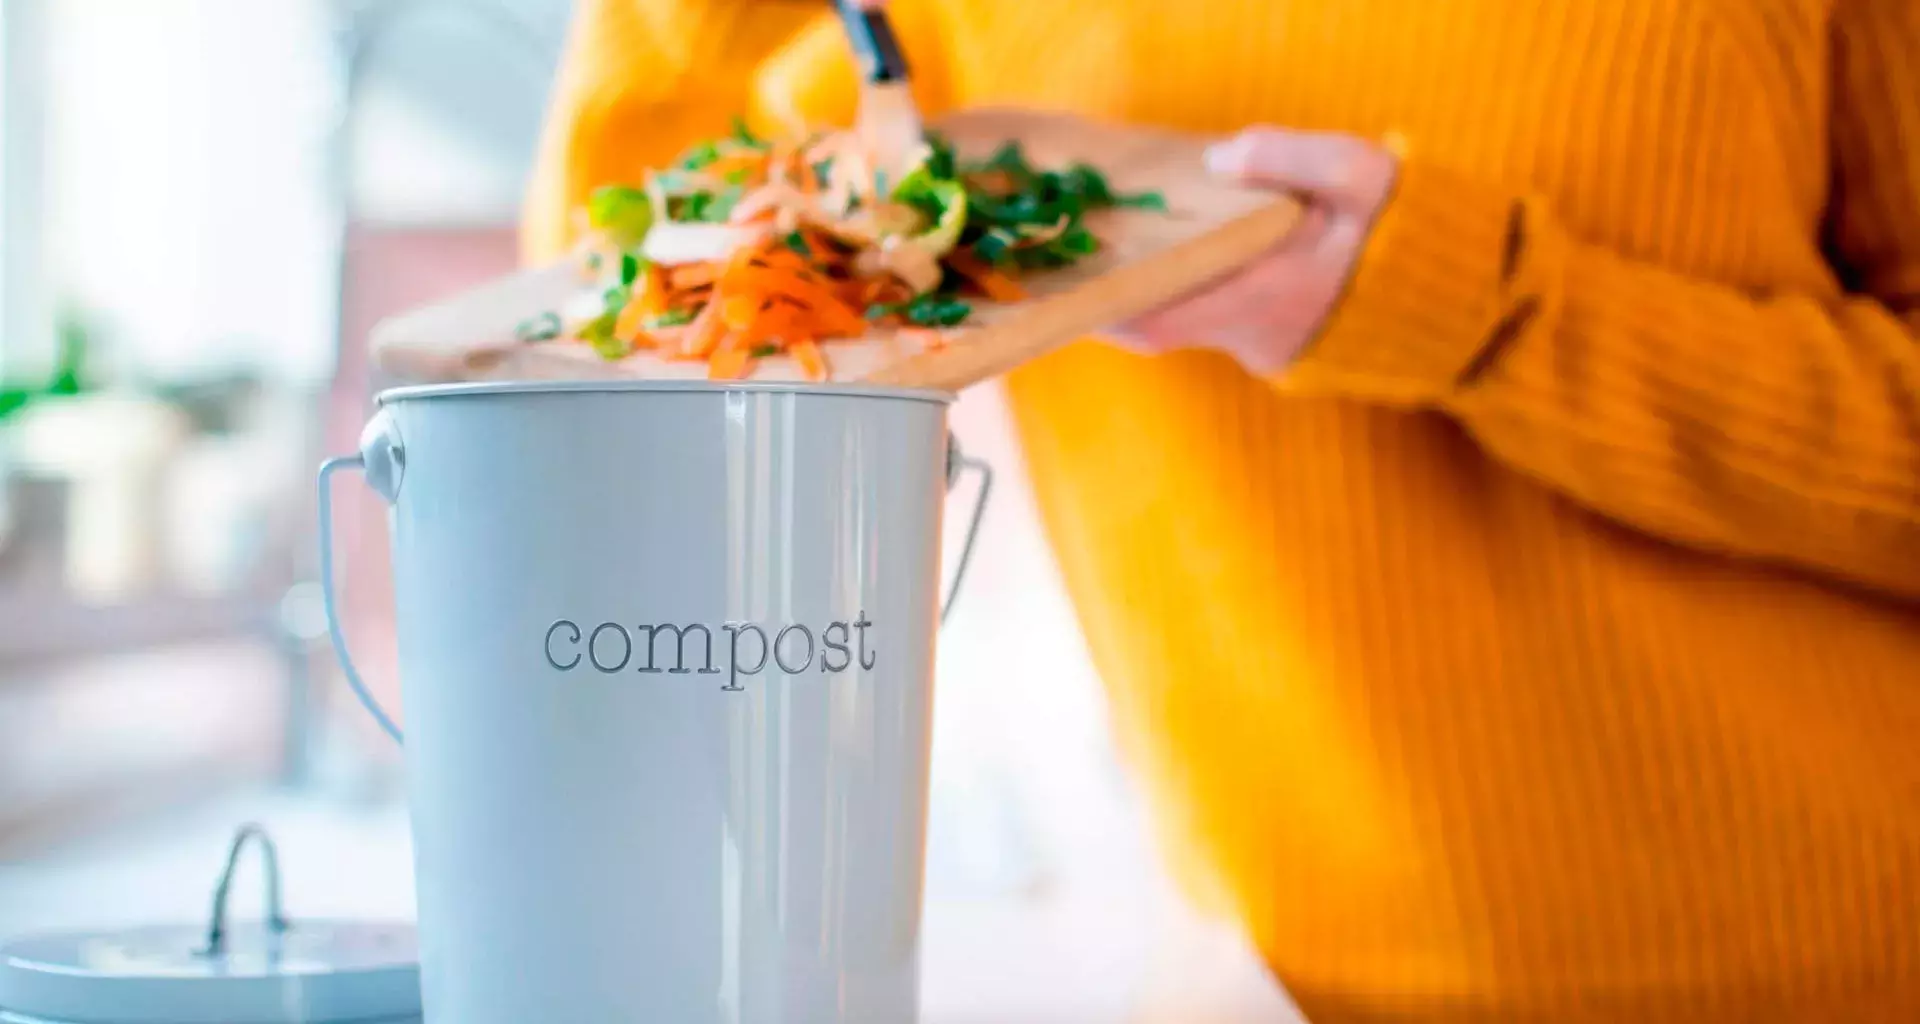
<point x="666" y="653"/>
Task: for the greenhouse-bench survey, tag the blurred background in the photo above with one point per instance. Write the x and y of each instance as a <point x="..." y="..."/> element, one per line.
<point x="205" y="205"/>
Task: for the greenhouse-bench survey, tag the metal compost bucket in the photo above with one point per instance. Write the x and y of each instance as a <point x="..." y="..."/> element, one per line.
<point x="666" y="650"/>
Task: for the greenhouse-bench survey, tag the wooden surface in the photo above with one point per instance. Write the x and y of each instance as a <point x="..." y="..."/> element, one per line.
<point x="1147" y="258"/>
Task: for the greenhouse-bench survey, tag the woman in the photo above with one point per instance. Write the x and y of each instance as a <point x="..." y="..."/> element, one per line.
<point x="1510" y="589"/>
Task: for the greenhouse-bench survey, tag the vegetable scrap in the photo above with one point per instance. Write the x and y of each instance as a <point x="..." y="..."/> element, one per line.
<point x="749" y="248"/>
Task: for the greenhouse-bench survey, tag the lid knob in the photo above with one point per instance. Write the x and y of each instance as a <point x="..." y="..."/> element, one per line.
<point x="270" y="865"/>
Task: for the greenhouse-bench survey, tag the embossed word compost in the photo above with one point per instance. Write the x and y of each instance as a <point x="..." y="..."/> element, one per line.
<point x="749" y="648"/>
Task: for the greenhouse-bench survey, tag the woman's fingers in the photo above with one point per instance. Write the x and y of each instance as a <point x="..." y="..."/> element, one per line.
<point x="1344" y="172"/>
<point x="1265" y="313"/>
<point x="1223" y="302"/>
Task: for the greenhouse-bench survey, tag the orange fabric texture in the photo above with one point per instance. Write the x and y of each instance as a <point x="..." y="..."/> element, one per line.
<point x="1546" y="645"/>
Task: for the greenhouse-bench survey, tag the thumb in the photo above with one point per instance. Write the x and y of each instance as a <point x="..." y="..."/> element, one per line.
<point x="1343" y="172"/>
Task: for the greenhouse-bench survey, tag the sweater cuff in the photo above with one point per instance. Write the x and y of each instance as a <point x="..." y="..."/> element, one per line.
<point x="1430" y="289"/>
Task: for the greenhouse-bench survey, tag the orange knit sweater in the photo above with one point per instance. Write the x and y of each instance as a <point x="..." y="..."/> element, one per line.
<point x="1546" y="645"/>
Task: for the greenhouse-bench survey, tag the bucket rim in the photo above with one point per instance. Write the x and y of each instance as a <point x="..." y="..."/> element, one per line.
<point x="464" y="389"/>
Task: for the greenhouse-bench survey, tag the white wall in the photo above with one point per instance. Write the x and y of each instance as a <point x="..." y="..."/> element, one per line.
<point x="449" y="107"/>
<point x="185" y="171"/>
<point x="192" y="197"/>
<point x="24" y="338"/>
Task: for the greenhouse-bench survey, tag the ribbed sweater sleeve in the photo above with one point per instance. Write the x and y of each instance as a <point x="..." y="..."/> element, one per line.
<point x="1783" y="426"/>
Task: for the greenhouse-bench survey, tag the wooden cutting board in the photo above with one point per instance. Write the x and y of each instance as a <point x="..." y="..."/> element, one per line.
<point x="1147" y="258"/>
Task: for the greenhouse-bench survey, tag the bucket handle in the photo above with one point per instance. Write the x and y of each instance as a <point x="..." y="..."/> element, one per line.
<point x="958" y="463"/>
<point x="367" y="699"/>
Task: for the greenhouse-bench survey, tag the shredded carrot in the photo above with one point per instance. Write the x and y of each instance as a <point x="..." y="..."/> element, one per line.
<point x="731" y="362"/>
<point x="883" y="291"/>
<point x="834" y="314"/>
<point x="667" y="341"/>
<point x="824" y="248"/>
<point x="778" y="322"/>
<point x="693" y="275"/>
<point x="995" y="284"/>
<point x="704" y="333"/>
<point x="654" y="292"/>
<point x="742" y="259"/>
<point x="739" y="311"/>
<point x="785" y="259"/>
<point x="749" y="161"/>
<point x="685" y="306"/>
<point x="648" y="302"/>
<point x="997" y="182"/>
<point x="812" y="361"/>
<point x="780" y="161"/>
<point x="632" y="315"/>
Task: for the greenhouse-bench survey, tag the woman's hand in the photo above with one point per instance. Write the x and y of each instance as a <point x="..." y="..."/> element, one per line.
<point x="1265" y="314"/>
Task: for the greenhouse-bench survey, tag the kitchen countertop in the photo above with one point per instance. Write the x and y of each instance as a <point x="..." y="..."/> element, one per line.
<point x="1111" y="943"/>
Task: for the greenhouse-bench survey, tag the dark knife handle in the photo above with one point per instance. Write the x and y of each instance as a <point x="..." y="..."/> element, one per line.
<point x="874" y="44"/>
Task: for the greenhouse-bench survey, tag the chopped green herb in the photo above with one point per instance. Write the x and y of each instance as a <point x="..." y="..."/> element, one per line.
<point x="934" y="309"/>
<point x="744" y="135"/>
<point x="763" y="351"/>
<point x="630" y="265"/>
<point x="599" y="333"/>
<point x="996" y="245"/>
<point x="723" y="203"/>
<point x="940" y="161"/>
<point x="944" y="203"/>
<point x="611" y="349"/>
<point x="670" y="318"/>
<point x="1075" y="240"/>
<point x="937" y="310"/>
<point x="1068" y="247"/>
<point x="1087" y="183"/>
<point x="1024" y="196"/>
<point x="674" y="181"/>
<point x="1015" y="209"/>
<point x="699" y="156"/>
<point x="798" y="243"/>
<point x="1009" y="158"/>
<point x="705" y="207"/>
<point x="544" y="327"/>
<point x="623" y="212"/>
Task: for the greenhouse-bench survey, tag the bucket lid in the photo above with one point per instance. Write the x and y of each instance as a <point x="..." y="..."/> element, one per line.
<point x="313" y="972"/>
<point x="273" y="971"/>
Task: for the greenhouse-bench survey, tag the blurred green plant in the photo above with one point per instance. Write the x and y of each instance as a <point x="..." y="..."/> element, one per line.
<point x="74" y="340"/>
